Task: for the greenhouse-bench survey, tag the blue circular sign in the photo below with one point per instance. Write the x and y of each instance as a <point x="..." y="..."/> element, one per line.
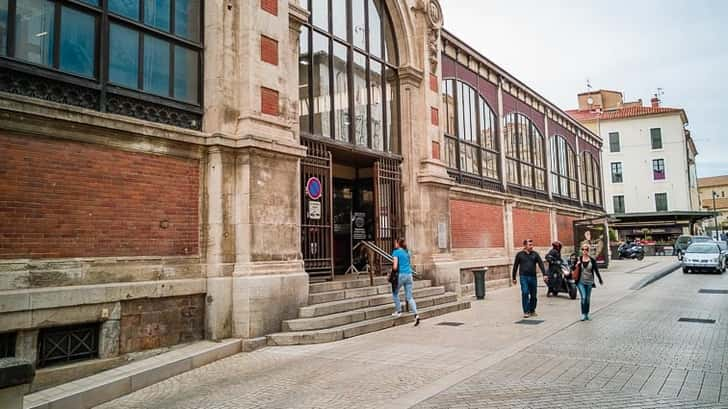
<point x="313" y="188"/>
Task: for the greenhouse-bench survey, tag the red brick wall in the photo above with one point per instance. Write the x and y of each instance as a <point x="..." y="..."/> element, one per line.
<point x="69" y="199"/>
<point x="476" y="225"/>
<point x="160" y="322"/>
<point x="530" y="224"/>
<point x="268" y="50"/>
<point x="565" y="229"/>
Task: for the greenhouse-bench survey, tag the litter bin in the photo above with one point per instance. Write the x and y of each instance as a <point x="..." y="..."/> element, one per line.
<point x="479" y="274"/>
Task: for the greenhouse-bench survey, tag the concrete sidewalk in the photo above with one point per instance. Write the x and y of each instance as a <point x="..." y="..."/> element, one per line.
<point x="392" y="368"/>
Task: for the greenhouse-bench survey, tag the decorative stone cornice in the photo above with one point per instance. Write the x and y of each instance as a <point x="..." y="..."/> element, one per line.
<point x="297" y="15"/>
<point x="409" y="75"/>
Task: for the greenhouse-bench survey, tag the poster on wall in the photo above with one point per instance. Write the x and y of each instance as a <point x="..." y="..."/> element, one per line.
<point x="359" y="231"/>
<point x="595" y="233"/>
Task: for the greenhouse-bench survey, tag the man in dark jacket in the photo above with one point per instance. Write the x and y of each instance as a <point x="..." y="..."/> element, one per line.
<point x="526" y="260"/>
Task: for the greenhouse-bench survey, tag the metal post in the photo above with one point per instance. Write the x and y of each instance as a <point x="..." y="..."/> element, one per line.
<point x="715" y="217"/>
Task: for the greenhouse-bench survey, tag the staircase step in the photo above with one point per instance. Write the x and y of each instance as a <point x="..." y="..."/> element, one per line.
<point x="348" y="317"/>
<point x="335" y="307"/>
<point x="345" y="284"/>
<point x="345" y="294"/>
<point x="361" y="327"/>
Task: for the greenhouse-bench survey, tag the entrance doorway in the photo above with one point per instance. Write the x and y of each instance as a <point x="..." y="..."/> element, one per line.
<point x="360" y="199"/>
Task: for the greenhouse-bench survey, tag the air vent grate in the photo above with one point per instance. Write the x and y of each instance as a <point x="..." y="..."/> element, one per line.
<point x="712" y="291"/>
<point x="529" y="322"/>
<point x="451" y="324"/>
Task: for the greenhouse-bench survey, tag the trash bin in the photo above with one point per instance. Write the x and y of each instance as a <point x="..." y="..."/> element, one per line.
<point x="479" y="274"/>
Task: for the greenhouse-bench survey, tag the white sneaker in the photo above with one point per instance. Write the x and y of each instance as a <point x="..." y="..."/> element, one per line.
<point x="396" y="314"/>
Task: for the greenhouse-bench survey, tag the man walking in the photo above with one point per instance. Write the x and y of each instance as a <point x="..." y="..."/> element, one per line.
<point x="526" y="260"/>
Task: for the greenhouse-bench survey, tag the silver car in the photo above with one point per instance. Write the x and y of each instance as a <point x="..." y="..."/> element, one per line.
<point x="705" y="257"/>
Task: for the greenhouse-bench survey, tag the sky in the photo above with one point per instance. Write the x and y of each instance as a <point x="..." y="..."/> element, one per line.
<point x="637" y="46"/>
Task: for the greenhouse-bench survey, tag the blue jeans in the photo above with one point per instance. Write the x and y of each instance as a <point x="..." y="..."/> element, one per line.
<point x="528" y="294"/>
<point x="585" y="294"/>
<point x="406" y="281"/>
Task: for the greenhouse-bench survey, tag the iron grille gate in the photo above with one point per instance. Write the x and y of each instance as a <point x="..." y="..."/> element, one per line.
<point x="63" y="344"/>
<point x="317" y="235"/>
<point x="387" y="206"/>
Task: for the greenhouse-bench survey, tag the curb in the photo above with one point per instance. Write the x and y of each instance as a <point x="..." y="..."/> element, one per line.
<point x="106" y="386"/>
<point x="656" y="276"/>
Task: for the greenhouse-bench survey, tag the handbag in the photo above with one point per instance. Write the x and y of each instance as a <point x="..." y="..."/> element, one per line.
<point x="393" y="277"/>
<point x="577" y="272"/>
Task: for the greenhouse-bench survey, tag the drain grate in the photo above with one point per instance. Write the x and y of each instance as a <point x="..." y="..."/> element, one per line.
<point x="451" y="324"/>
<point x="697" y="320"/>
<point x="529" y="322"/>
<point x="712" y="291"/>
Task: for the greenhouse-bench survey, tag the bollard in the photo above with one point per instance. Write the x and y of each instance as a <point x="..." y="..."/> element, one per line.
<point x="16" y="375"/>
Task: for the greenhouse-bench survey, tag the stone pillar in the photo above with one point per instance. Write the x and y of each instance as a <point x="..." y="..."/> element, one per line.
<point x="26" y="345"/>
<point x="508" y="228"/>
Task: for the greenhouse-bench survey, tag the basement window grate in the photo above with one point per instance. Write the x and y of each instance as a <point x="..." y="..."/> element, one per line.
<point x="7" y="344"/>
<point x="697" y="320"/>
<point x="66" y="344"/>
<point x="451" y="324"/>
<point x="529" y="322"/>
<point x="712" y="291"/>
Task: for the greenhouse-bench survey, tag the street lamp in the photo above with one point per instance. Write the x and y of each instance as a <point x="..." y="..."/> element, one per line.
<point x="715" y="216"/>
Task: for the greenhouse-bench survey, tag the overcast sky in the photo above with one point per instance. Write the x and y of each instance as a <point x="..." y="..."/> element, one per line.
<point x="633" y="46"/>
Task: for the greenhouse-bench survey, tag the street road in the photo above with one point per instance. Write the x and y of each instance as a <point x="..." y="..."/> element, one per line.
<point x="633" y="354"/>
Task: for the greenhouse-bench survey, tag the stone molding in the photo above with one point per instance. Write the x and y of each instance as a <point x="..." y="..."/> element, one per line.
<point x="267" y="268"/>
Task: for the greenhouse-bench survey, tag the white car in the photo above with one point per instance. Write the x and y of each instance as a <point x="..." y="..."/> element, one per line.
<point x="706" y="257"/>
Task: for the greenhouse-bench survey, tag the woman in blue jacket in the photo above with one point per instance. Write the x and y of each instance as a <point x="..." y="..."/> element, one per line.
<point x="401" y="265"/>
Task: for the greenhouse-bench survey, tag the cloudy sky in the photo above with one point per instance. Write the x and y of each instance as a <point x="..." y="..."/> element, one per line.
<point x="632" y="46"/>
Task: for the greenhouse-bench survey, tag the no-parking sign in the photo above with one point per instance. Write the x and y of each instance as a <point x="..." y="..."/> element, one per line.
<point x="313" y="188"/>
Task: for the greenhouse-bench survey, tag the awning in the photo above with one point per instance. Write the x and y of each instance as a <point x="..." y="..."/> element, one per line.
<point x="680" y="218"/>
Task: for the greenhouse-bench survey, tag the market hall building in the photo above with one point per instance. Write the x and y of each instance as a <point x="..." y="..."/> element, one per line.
<point x="173" y="171"/>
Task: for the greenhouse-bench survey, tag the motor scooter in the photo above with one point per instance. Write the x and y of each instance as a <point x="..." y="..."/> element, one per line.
<point x="561" y="280"/>
<point x="630" y="251"/>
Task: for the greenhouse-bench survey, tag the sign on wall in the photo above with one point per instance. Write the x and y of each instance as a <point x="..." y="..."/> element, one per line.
<point x="313" y="188"/>
<point x="314" y="210"/>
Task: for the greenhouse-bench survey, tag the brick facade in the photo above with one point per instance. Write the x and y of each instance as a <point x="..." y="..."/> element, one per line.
<point x="69" y="199"/>
<point x="271" y="6"/>
<point x="531" y="224"/>
<point x="269" y="101"/>
<point x="476" y="225"/>
<point x="268" y="50"/>
<point x="565" y="229"/>
<point x="160" y="322"/>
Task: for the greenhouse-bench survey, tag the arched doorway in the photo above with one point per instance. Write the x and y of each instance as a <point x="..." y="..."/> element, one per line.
<point x="349" y="121"/>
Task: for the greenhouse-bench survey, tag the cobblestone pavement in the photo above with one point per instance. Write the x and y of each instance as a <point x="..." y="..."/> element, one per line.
<point x="634" y="354"/>
<point x="637" y="355"/>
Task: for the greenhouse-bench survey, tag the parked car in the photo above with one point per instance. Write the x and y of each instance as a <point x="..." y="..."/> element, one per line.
<point x="705" y="257"/>
<point x="683" y="242"/>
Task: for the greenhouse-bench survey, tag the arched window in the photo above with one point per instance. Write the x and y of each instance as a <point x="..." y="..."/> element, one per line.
<point x="525" y="159"/>
<point x="348" y="78"/>
<point x="591" y="184"/>
<point x="471" y="137"/>
<point x="563" y="168"/>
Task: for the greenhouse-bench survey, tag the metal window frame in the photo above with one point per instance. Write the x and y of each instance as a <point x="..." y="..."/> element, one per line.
<point x="665" y="202"/>
<point x="103" y="18"/>
<point x="328" y="34"/>
<point x="561" y="170"/>
<point x="621" y="204"/>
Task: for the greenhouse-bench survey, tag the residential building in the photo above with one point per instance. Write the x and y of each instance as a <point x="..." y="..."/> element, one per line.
<point x="180" y="172"/>
<point x="714" y="196"/>
<point x="648" y="160"/>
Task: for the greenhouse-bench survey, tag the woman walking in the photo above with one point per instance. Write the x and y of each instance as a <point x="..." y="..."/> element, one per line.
<point x="401" y="266"/>
<point x="585" y="270"/>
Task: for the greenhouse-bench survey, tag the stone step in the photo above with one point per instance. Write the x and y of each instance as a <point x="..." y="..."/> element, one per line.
<point x="348" y="317"/>
<point x="359" y="292"/>
<point x="361" y="327"/>
<point x="363" y="281"/>
<point x="335" y="307"/>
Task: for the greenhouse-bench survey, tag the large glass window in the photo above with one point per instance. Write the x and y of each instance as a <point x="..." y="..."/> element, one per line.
<point x="614" y="142"/>
<point x="618" y="202"/>
<point x="658" y="169"/>
<point x="525" y="160"/>
<point x="563" y="168"/>
<point x="353" y="92"/>
<point x="591" y="183"/>
<point x="153" y="45"/>
<point x="656" y="138"/>
<point x="661" y="202"/>
<point x="471" y="137"/>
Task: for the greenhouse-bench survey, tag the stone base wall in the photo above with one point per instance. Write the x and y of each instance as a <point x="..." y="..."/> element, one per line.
<point x="154" y="323"/>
